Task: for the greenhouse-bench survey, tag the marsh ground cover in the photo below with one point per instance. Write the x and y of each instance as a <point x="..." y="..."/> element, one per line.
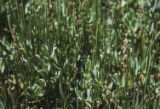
<point x="80" y="54"/>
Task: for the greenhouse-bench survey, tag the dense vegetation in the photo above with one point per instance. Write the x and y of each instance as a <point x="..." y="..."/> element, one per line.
<point x="79" y="54"/>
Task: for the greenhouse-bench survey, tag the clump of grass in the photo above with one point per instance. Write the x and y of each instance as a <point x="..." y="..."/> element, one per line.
<point x="80" y="54"/>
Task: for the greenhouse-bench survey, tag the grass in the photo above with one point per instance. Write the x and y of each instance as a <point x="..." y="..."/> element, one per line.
<point x="80" y="54"/>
